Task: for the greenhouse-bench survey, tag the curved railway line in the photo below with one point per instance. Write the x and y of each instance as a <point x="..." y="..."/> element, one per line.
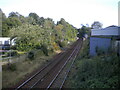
<point x="55" y="73"/>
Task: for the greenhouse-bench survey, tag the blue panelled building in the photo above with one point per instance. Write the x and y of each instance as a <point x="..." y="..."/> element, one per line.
<point x="104" y="40"/>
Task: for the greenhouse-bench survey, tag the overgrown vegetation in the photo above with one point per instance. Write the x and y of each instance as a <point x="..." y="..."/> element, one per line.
<point x="31" y="34"/>
<point x="12" y="53"/>
<point x="34" y="32"/>
<point x="15" y="72"/>
<point x="31" y="55"/>
<point x="12" y="67"/>
<point x="94" y="72"/>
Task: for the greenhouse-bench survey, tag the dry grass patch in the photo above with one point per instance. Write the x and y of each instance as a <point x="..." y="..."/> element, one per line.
<point x="21" y="69"/>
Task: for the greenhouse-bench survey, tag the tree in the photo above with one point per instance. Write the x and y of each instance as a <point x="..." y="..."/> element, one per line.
<point x="4" y="28"/>
<point x="14" y="14"/>
<point x="67" y="32"/>
<point x="62" y="21"/>
<point x="13" y="22"/>
<point x="41" y="21"/>
<point x="84" y="30"/>
<point x="48" y="23"/>
<point x="97" y="25"/>
<point x="0" y="22"/>
<point x="30" y="20"/>
<point x="34" y="16"/>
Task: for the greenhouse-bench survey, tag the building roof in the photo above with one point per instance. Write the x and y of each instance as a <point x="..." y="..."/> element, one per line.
<point x="108" y="31"/>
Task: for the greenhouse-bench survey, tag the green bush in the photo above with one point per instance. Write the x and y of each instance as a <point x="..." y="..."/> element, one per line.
<point x="12" y="53"/>
<point x="44" y="49"/>
<point x="96" y="72"/>
<point x="37" y="47"/>
<point x="13" y="47"/>
<point x="31" y="55"/>
<point x="12" y="67"/>
<point x="2" y="53"/>
<point x="61" y="44"/>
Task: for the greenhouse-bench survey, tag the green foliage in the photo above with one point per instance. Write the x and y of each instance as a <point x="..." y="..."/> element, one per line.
<point x="12" y="67"/>
<point x="13" y="22"/>
<point x="34" y="16"/>
<point x="31" y="55"/>
<point x="65" y="31"/>
<point x="96" y="25"/>
<point x="33" y="36"/>
<point x="3" y="24"/>
<point x="84" y="30"/>
<point x="41" y="21"/>
<point x="12" y="53"/>
<point x="14" y="14"/>
<point x="61" y="44"/>
<point x="97" y="72"/>
<point x="8" y="24"/>
<point x="13" y="47"/>
<point x="48" y="23"/>
<point x="37" y="46"/>
<point x="33" y="32"/>
<point x="44" y="49"/>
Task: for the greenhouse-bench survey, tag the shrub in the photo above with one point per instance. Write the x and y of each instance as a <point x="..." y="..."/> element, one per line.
<point x="12" y="67"/>
<point x="13" y="47"/>
<point x="31" y="55"/>
<point x="37" y="47"/>
<point x="61" y="44"/>
<point x="55" y="46"/>
<point x="12" y="53"/>
<point x="44" y="49"/>
<point x="2" y="53"/>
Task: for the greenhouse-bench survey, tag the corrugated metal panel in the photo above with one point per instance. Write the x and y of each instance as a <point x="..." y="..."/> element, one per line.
<point x="101" y="43"/>
<point x="109" y="31"/>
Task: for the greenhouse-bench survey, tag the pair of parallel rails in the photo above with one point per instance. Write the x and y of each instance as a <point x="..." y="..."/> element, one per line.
<point x="55" y="73"/>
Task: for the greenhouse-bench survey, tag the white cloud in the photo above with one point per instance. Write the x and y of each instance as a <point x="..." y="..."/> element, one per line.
<point x="76" y="12"/>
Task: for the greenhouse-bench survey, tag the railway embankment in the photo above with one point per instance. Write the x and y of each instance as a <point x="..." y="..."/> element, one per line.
<point x="101" y="71"/>
<point x="20" y="71"/>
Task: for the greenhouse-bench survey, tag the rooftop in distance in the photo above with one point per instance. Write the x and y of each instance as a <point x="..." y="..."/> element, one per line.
<point x="108" y="31"/>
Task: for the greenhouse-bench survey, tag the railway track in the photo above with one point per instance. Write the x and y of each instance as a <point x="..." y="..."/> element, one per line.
<point x="55" y="73"/>
<point x="60" y="78"/>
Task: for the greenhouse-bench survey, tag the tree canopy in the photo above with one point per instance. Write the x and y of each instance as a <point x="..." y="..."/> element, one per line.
<point x="37" y="32"/>
<point x="96" y="25"/>
<point x="85" y="29"/>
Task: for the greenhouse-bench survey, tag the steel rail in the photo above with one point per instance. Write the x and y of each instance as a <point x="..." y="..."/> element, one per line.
<point x="36" y="74"/>
<point x="61" y="69"/>
<point x="41" y="78"/>
<point x="69" y="70"/>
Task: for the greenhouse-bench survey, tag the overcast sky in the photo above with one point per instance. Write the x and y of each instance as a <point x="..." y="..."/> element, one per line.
<point x="76" y="12"/>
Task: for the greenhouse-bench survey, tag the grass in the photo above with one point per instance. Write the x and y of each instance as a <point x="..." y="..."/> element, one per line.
<point x="21" y="69"/>
<point x="94" y="72"/>
<point x="20" y="52"/>
<point x="18" y="71"/>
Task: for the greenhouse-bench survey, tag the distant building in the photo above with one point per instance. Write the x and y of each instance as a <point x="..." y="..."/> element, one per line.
<point x="105" y="39"/>
<point x="108" y="31"/>
<point x="5" y="42"/>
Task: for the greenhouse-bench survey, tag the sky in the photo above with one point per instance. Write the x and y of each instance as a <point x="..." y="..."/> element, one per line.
<point x="76" y="12"/>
